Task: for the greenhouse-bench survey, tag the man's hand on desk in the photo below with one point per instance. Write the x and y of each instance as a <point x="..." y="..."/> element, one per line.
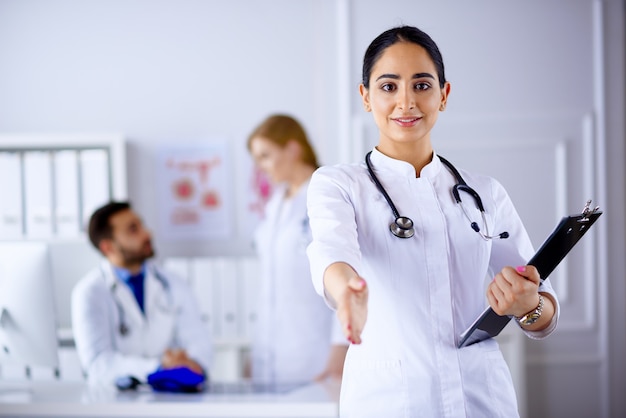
<point x="173" y="358"/>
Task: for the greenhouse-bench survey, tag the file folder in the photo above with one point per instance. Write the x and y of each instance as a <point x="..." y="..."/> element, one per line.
<point x="11" y="209"/>
<point x="66" y="201"/>
<point x="566" y="234"/>
<point x="95" y="183"/>
<point x="38" y="194"/>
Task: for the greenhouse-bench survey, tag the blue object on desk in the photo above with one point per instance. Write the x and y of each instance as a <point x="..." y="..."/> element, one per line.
<point x="179" y="379"/>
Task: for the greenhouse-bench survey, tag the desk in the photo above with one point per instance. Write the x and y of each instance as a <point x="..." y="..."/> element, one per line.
<point x="76" y="399"/>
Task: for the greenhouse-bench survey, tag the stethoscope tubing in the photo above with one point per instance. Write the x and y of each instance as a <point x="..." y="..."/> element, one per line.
<point x="123" y="328"/>
<point x="402" y="226"/>
<point x="380" y="187"/>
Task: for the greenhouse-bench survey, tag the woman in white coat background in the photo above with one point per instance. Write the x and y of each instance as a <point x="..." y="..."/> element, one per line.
<point x="405" y="288"/>
<point x="129" y="317"/>
<point x="297" y="337"/>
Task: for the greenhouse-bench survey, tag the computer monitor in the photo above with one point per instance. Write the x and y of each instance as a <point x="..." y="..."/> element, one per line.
<point x="71" y="260"/>
<point x="28" y="329"/>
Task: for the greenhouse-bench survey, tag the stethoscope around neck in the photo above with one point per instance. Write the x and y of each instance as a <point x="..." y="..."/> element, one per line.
<point x="403" y="227"/>
<point x="124" y="329"/>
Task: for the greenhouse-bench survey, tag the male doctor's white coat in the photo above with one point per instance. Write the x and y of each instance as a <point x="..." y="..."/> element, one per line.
<point x="423" y="291"/>
<point x="294" y="329"/>
<point x="102" y="305"/>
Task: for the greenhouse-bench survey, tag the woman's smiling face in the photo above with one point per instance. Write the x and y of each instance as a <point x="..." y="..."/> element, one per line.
<point x="404" y="94"/>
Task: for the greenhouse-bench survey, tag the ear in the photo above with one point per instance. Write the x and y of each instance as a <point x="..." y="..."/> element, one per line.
<point x="365" y="95"/>
<point x="106" y="247"/>
<point x="293" y="148"/>
<point x="445" y="92"/>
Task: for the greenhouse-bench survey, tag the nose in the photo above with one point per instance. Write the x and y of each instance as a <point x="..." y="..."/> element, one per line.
<point x="147" y="234"/>
<point x="406" y="100"/>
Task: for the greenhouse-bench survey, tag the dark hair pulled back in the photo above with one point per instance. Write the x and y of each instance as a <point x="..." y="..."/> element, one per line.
<point x="401" y="34"/>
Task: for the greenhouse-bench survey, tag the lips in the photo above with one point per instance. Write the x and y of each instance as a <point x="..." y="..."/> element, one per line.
<point x="407" y="121"/>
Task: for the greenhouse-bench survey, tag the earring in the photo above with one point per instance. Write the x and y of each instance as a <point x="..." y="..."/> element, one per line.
<point x="442" y="107"/>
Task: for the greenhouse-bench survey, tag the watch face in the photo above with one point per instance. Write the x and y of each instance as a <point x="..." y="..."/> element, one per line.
<point x="530" y="318"/>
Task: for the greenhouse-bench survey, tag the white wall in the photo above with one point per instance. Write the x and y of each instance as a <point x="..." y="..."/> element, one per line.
<point x="533" y="82"/>
<point x="164" y="72"/>
<point x="614" y="50"/>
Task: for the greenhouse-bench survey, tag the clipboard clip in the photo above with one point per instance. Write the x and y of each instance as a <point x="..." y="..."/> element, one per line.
<point x="588" y="211"/>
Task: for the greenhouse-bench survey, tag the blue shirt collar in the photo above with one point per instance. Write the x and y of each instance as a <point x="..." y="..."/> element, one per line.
<point x="125" y="274"/>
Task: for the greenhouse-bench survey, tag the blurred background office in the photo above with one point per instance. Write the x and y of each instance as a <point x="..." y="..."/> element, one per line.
<point x="161" y="95"/>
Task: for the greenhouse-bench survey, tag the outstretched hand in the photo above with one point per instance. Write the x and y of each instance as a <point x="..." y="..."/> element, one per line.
<point x="352" y="308"/>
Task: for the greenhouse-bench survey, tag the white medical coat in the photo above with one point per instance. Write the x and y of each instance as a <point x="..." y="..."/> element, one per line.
<point x="423" y="291"/>
<point x="171" y="320"/>
<point x="294" y="329"/>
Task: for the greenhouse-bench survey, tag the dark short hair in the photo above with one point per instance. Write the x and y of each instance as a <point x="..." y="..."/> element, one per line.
<point x="401" y="34"/>
<point x="99" y="223"/>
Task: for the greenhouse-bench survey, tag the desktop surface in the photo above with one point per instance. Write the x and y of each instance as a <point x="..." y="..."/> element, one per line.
<point x="78" y="399"/>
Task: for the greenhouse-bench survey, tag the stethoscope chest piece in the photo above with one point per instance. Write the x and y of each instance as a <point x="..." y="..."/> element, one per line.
<point x="402" y="227"/>
<point x="124" y="329"/>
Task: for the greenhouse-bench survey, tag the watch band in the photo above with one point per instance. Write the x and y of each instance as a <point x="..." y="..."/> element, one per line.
<point x="532" y="316"/>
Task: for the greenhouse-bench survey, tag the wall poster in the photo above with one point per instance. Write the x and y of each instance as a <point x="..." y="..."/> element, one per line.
<point x="195" y="192"/>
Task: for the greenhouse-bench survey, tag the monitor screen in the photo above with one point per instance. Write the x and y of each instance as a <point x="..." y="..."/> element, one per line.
<point x="28" y="329"/>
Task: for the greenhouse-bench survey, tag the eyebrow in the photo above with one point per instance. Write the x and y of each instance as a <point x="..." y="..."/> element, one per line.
<point x="397" y="77"/>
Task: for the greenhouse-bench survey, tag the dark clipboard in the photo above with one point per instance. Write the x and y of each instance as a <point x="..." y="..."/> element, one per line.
<point x="566" y="234"/>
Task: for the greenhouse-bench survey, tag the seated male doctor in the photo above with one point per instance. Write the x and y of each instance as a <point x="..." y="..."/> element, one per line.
<point x="129" y="317"/>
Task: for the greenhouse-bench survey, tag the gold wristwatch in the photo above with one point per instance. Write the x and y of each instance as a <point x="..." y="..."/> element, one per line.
<point x="532" y="316"/>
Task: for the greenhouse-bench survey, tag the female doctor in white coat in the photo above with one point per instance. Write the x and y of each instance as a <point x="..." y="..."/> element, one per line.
<point x="120" y="331"/>
<point x="406" y="282"/>
<point x="296" y="338"/>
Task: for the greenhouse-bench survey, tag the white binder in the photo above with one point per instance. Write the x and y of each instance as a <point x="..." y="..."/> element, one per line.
<point x="11" y="211"/>
<point x="249" y="291"/>
<point x="203" y="283"/>
<point x="38" y="194"/>
<point x="66" y="213"/>
<point x="178" y="266"/>
<point x="95" y="181"/>
<point x="225" y="270"/>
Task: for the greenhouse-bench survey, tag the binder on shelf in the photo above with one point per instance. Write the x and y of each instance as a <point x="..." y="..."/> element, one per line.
<point x="11" y="210"/>
<point x="226" y="273"/>
<point x="249" y="291"/>
<point x="95" y="183"/>
<point x="178" y="266"/>
<point x="203" y="282"/>
<point x="566" y="234"/>
<point x="38" y="194"/>
<point x="66" y="213"/>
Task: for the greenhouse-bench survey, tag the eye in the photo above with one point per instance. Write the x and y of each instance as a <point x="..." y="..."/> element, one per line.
<point x="260" y="156"/>
<point x="388" y="87"/>
<point x="422" y="86"/>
